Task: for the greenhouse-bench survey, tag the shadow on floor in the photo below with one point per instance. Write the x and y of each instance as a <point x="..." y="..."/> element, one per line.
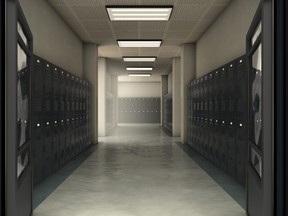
<point x="46" y="187"/>
<point x="230" y="185"/>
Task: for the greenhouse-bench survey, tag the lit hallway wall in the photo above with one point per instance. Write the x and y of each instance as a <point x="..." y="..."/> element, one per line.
<point x="225" y="39"/>
<point x="139" y="99"/>
<point x="53" y="39"/>
<point x="107" y="99"/>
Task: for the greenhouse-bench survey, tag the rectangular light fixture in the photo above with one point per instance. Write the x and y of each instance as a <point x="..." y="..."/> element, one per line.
<point x="139" y="59"/>
<point x="139" y="43"/>
<point x="139" y="74"/>
<point x="139" y="13"/>
<point x="139" y="68"/>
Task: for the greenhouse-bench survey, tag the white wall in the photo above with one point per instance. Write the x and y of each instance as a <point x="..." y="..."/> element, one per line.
<point x="90" y="52"/>
<point x="53" y="40"/>
<point x="176" y="96"/>
<point x="139" y="89"/>
<point x="102" y="70"/>
<point x="225" y="39"/>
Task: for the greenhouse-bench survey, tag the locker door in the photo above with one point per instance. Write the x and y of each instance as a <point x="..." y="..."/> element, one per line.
<point x="18" y="50"/>
<point x="260" y="127"/>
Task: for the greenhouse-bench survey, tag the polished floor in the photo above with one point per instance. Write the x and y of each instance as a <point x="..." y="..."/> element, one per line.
<point x="135" y="172"/>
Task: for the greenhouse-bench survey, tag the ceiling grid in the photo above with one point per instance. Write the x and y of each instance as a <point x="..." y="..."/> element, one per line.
<point x="189" y="20"/>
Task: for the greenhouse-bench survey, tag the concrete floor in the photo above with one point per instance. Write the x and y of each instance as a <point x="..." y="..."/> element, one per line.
<point x="139" y="171"/>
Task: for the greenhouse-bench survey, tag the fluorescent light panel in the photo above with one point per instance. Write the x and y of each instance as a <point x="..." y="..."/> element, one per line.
<point x="139" y="59"/>
<point x="139" y="68"/>
<point x="142" y="13"/>
<point x="139" y="43"/>
<point x="139" y="74"/>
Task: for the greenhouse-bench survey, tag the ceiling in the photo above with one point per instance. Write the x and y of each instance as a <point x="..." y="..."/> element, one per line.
<point x="188" y="21"/>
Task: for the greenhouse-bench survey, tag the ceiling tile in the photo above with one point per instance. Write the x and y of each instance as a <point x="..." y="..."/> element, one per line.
<point x="151" y="34"/>
<point x="182" y="25"/>
<point x="221" y="2"/>
<point x="126" y="35"/>
<point x="158" y="2"/>
<point x="57" y="2"/>
<point x="73" y="23"/>
<point x="153" y="26"/>
<point x="213" y="12"/>
<point x="188" y="12"/>
<point x="94" y="25"/>
<point x="149" y="51"/>
<point x="125" y="52"/>
<point x="177" y="35"/>
<point x="203" y="25"/>
<point x="194" y="36"/>
<point x="64" y="12"/>
<point x="167" y="54"/>
<point x="189" y="19"/>
<point x="169" y="48"/>
<point x="101" y="35"/>
<point x="85" y="2"/>
<point x="119" y="26"/>
<point x="195" y="2"/>
<point x="91" y="12"/>
<point x="122" y="2"/>
<point x="104" y="42"/>
<point x="169" y="42"/>
<point x="108" y="48"/>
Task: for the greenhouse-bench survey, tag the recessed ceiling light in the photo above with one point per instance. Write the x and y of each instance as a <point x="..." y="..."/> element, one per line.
<point x="139" y="68"/>
<point x="139" y="74"/>
<point x="139" y="43"/>
<point x="140" y="13"/>
<point x="139" y="59"/>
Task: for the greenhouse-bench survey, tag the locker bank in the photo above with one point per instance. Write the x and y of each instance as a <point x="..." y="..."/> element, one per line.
<point x="147" y="107"/>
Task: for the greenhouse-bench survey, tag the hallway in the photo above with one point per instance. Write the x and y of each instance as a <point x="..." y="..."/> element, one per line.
<point x="139" y="171"/>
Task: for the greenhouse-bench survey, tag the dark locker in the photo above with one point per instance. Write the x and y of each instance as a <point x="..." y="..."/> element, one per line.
<point x="217" y="83"/>
<point x="223" y="148"/>
<point x="223" y="82"/>
<point x="73" y="86"/>
<point x="206" y="137"/>
<point x="232" y="79"/>
<point x="77" y="136"/>
<point x="73" y="135"/>
<point x="231" y="147"/>
<point x="37" y="85"/>
<point x="241" y="151"/>
<point x="211" y="140"/>
<point x="62" y="143"/>
<point x="47" y="112"/>
<point x="47" y="149"/>
<point x="210" y="85"/>
<point x="37" y="108"/>
<point x="37" y="151"/>
<point x="55" y="82"/>
<point x="67" y="85"/>
<point x="56" y="108"/>
<point x="205" y="86"/>
<point x="68" y="108"/>
<point x="55" y="145"/>
<point x="68" y="137"/>
<point x="62" y="88"/>
<point x="218" y="143"/>
<point x="47" y="80"/>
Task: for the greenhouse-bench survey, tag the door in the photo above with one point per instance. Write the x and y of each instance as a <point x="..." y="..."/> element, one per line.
<point x="2" y="114"/>
<point x="17" y="109"/>
<point x="260" y="107"/>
